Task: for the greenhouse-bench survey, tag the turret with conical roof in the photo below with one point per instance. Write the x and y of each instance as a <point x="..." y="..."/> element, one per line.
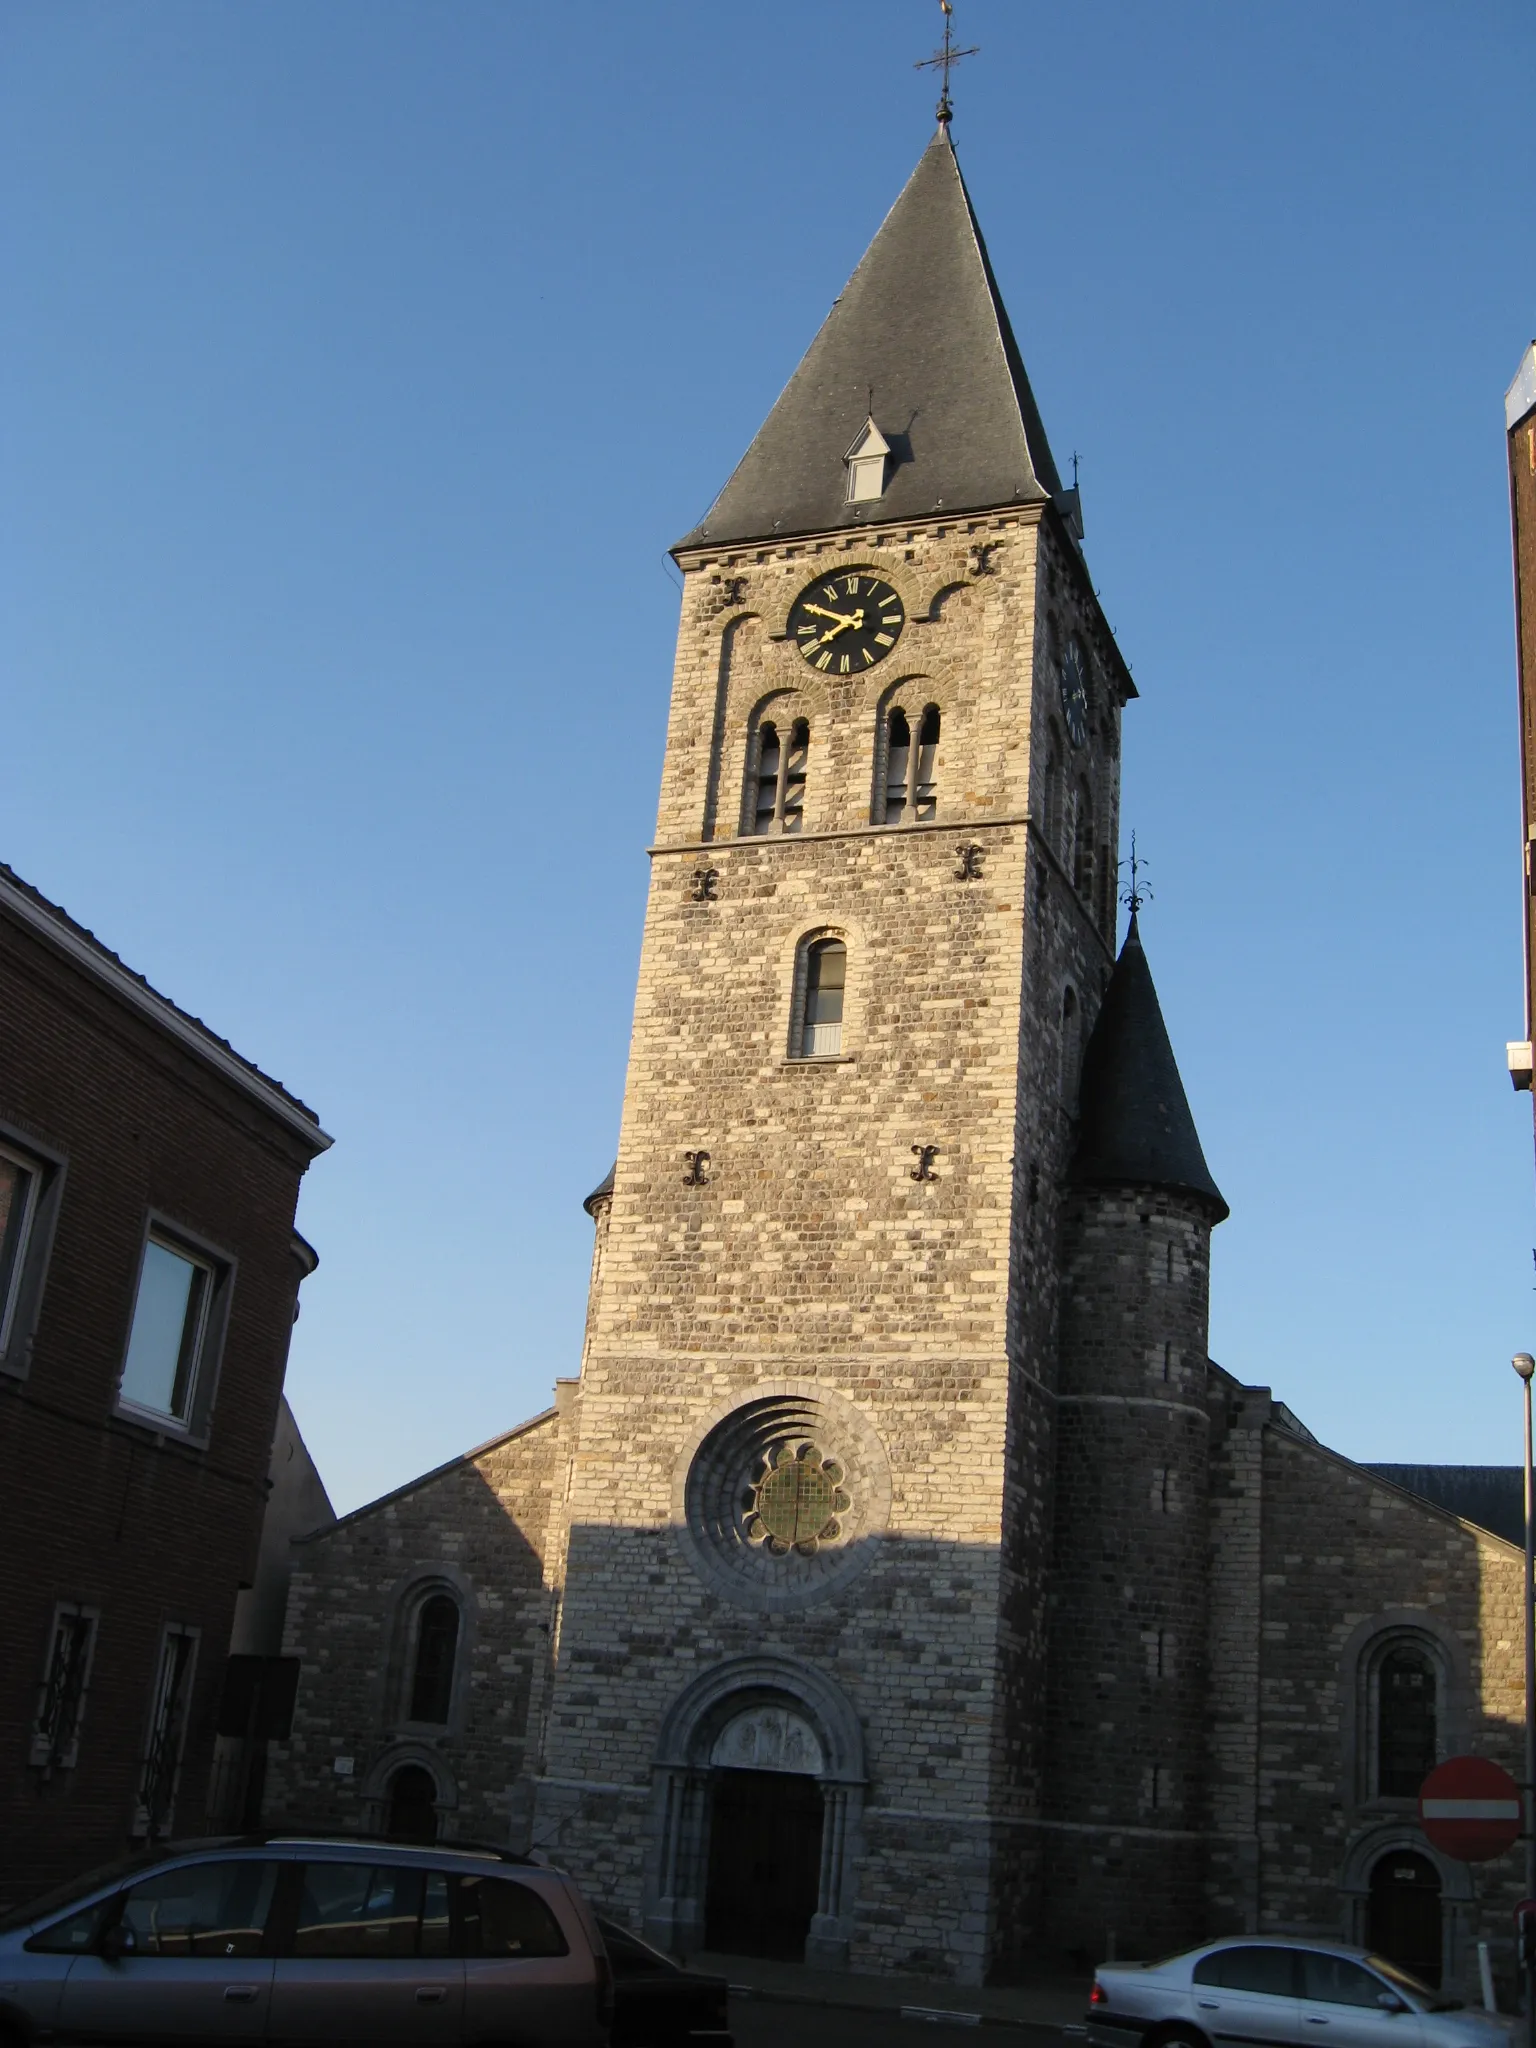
<point x="1130" y="1582"/>
<point x="1134" y="1121"/>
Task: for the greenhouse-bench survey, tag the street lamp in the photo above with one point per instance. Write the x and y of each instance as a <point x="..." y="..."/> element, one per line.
<point x="1525" y="1365"/>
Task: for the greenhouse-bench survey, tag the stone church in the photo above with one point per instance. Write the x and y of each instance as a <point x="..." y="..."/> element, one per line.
<point x="900" y="1585"/>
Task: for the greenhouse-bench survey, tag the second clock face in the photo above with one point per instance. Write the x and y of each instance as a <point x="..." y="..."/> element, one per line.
<point x="1074" y="694"/>
<point x="846" y="623"/>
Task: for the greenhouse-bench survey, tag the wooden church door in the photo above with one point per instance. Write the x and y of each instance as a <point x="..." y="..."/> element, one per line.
<point x="764" y="1863"/>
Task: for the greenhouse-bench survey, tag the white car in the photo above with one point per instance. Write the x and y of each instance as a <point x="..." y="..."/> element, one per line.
<point x="1253" y="1992"/>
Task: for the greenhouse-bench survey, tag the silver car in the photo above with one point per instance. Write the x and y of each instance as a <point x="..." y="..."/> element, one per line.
<point x="306" y="1943"/>
<point x="1249" y="1992"/>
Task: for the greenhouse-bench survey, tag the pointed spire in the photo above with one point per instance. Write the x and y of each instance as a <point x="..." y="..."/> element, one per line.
<point x="1134" y="1122"/>
<point x="921" y="325"/>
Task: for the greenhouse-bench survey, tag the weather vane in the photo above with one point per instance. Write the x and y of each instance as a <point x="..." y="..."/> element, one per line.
<point x="1137" y="892"/>
<point x="941" y="60"/>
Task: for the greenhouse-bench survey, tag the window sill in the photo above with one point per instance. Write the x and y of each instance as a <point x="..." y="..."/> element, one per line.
<point x="818" y="1059"/>
<point x="163" y="1428"/>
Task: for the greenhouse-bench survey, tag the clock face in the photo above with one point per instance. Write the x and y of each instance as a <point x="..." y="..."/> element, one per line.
<point x="1074" y="694"/>
<point x="846" y="623"/>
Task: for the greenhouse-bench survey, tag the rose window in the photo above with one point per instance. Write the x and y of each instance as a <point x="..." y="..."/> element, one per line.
<point x="795" y="1501"/>
<point x="781" y="1499"/>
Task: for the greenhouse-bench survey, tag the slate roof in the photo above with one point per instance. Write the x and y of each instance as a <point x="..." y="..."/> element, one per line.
<point x="1134" y="1122"/>
<point x="602" y="1191"/>
<point x="920" y="324"/>
<point x="1492" y="1496"/>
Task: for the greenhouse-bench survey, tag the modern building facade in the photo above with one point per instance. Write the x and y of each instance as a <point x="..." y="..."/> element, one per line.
<point x="901" y="1585"/>
<point x="149" y="1274"/>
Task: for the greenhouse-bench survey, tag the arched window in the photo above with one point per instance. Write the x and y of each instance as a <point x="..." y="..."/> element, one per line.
<point x="437" y="1648"/>
<point x="793" y="805"/>
<point x="898" y="760"/>
<point x="1407" y="1720"/>
<point x="1082" y="850"/>
<point x="826" y="976"/>
<point x="778" y="782"/>
<point x="766" y="807"/>
<point x="911" y="791"/>
<point x="412" y="1813"/>
<point x="1052" y="791"/>
<point x="1070" y="1033"/>
<point x="924" y="788"/>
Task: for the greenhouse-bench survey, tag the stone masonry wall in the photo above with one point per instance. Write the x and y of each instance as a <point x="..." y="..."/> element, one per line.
<point x="1346" y="1557"/>
<point x="810" y="1254"/>
<point x="1128" y="1598"/>
<point x="479" y="1528"/>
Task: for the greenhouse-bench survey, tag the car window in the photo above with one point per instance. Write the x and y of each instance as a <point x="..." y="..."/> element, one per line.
<point x="1337" y="1981"/>
<point x="631" y="1957"/>
<point x="1410" y="1986"/>
<point x="202" y="1909"/>
<point x="436" y="1932"/>
<point x="76" y="1888"/>
<point x="358" y="1909"/>
<point x="503" y="1918"/>
<point x="1267" y="1970"/>
<point x="74" y="1936"/>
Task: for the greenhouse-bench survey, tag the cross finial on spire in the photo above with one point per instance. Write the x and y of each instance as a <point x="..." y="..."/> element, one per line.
<point x="1136" y="892"/>
<point x="942" y="59"/>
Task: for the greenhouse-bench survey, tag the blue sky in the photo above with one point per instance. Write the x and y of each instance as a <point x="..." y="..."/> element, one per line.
<point x="362" y="360"/>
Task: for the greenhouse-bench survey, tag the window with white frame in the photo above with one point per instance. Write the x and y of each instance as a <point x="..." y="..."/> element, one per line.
<point x="61" y="1695"/>
<point x="20" y="1181"/>
<point x="820" y="1033"/>
<point x="168" y="1341"/>
<point x="167" y="1733"/>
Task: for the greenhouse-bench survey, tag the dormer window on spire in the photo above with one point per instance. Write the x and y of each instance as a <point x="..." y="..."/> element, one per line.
<point x="867" y="460"/>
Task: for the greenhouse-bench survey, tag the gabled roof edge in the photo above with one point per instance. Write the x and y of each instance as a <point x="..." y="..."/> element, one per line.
<point x="33" y="909"/>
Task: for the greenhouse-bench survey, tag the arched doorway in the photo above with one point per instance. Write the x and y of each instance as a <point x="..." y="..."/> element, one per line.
<point x="412" y="1809"/>
<point x="765" y="1833"/>
<point x="1404" y="1922"/>
<point x="758" y="1793"/>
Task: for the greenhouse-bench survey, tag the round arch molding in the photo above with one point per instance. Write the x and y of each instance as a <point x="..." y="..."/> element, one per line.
<point x="683" y="1776"/>
<point x="1458" y="1901"/>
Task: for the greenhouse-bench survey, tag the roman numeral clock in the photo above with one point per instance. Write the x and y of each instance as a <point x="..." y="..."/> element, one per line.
<point x="847" y="624"/>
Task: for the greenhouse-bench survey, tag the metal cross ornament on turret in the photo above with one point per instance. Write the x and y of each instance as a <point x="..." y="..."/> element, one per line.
<point x="941" y="60"/>
<point x="1137" y="892"/>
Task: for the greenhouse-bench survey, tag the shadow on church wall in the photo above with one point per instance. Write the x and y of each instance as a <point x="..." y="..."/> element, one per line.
<point x="941" y="1849"/>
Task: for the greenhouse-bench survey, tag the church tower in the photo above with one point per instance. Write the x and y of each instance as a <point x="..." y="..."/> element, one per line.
<point x="799" y="1701"/>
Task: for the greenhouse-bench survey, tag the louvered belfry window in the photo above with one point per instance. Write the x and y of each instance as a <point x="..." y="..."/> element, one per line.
<point x="778" y="803"/>
<point x="826" y="975"/>
<point x="766" y="807"/>
<point x="911" y="791"/>
<point x="924" y="788"/>
<point x="898" y="757"/>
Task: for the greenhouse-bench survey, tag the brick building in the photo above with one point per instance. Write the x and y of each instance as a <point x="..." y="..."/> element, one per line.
<point x="149" y="1275"/>
<point x="900" y="1584"/>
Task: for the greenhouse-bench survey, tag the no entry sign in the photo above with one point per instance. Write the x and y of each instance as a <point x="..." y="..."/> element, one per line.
<point x="1470" y="1809"/>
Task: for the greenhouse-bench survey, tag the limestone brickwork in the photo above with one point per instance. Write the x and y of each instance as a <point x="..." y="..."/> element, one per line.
<point x="481" y="1528"/>
<point x="1088" y="1658"/>
<point x="811" y="1253"/>
<point x="896" y="1457"/>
